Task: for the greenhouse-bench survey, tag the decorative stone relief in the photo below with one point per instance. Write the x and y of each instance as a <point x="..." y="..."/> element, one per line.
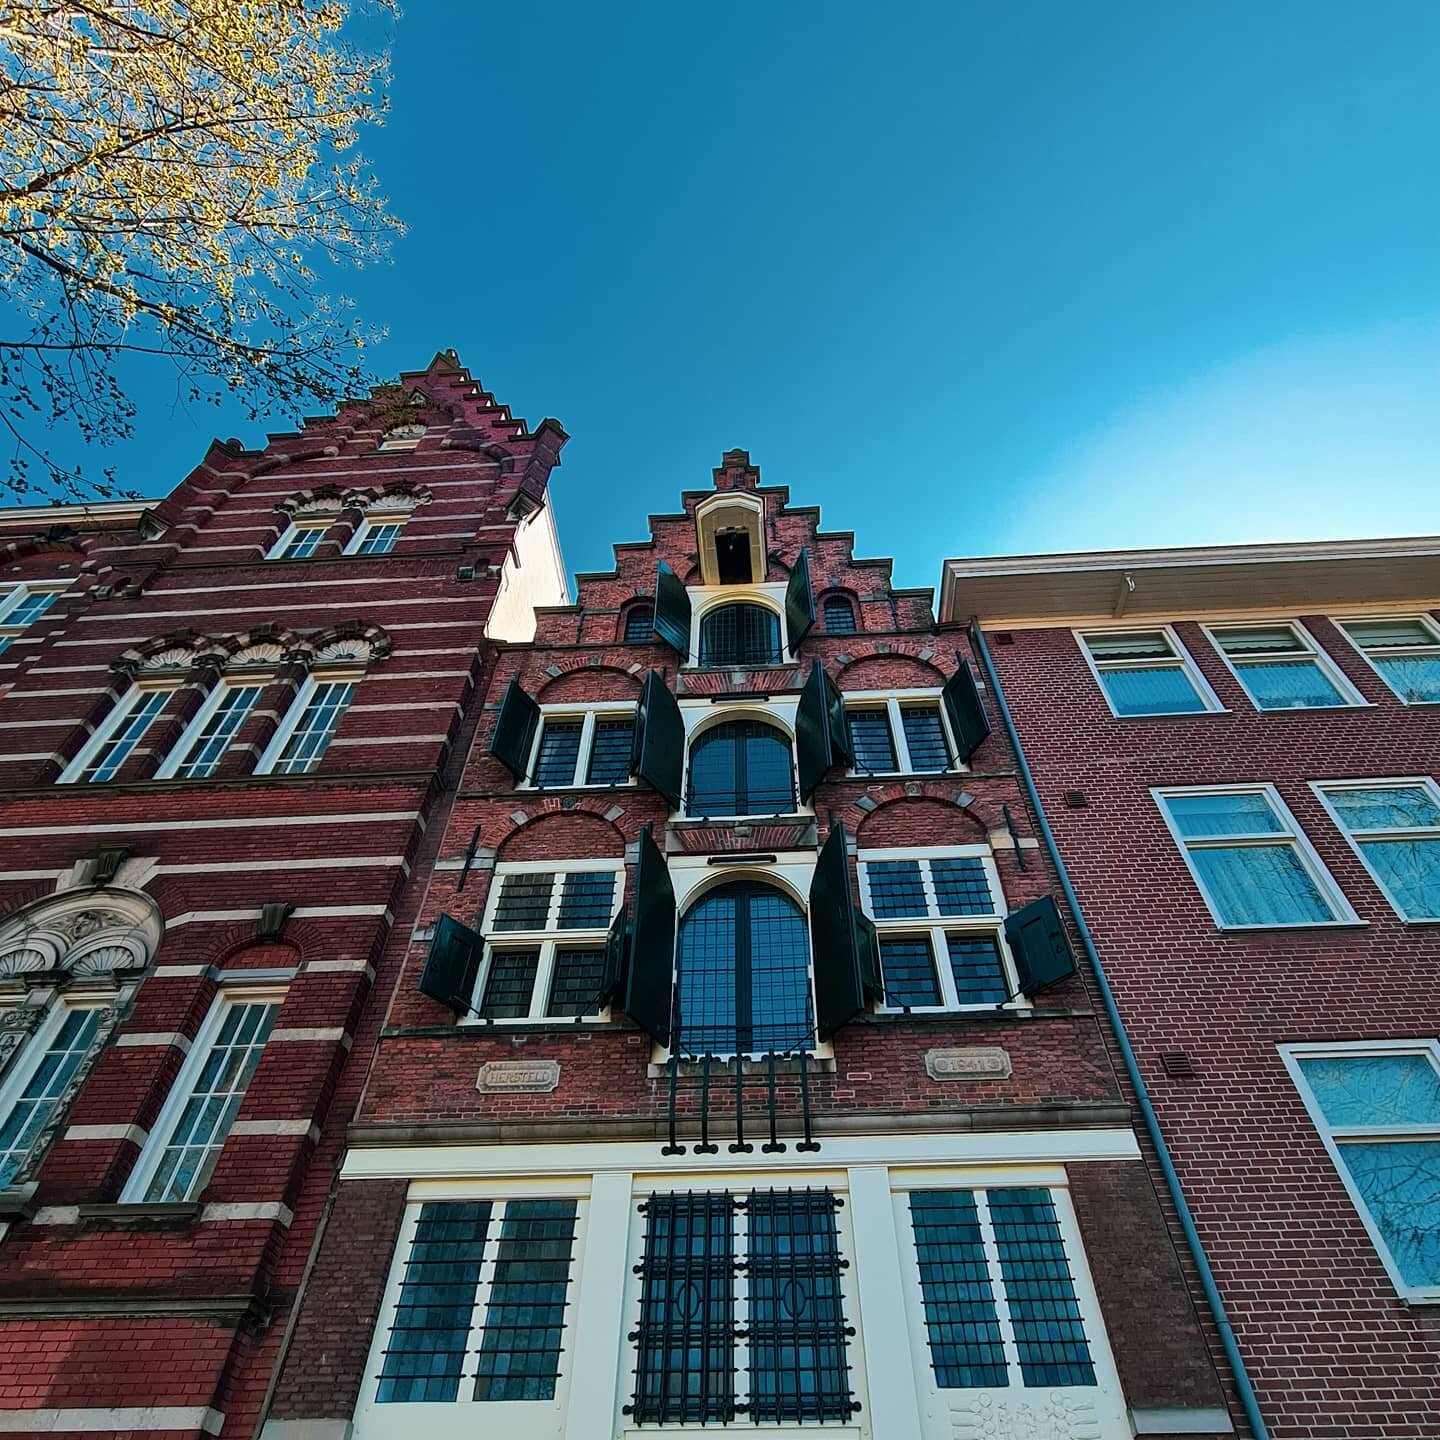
<point x="256" y="656"/>
<point x="341" y="652"/>
<point x="1035" y="1415"/>
<point x="86" y="932"/>
<point x="16" y="1026"/>
<point x="177" y="657"/>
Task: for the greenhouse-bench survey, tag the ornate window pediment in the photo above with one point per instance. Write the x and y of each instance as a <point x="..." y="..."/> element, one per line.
<point x="90" y="934"/>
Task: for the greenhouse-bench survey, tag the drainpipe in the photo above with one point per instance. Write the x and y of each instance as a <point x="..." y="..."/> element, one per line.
<point x="1132" y="1069"/>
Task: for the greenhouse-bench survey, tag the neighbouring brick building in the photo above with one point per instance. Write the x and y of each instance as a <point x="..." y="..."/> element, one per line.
<point x="231" y="721"/>
<point x="739" y="1069"/>
<point x="1237" y="749"/>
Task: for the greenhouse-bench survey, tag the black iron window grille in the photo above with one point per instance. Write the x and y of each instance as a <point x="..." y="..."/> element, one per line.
<point x="576" y="981"/>
<point x="899" y="737"/>
<point x="589" y="749"/>
<point x="993" y="1270"/>
<point x="695" y="1361"/>
<point x="871" y="741"/>
<point x="740" y="634"/>
<point x="507" y="1261"/>
<point x="509" y="983"/>
<point x="610" y="752"/>
<point x="558" y="752"/>
<point x="839" y="616"/>
<point x="639" y="625"/>
<point x="743" y="767"/>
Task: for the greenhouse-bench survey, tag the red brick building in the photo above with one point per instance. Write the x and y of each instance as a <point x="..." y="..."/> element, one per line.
<point x="1237" y="749"/>
<point x="230" y="725"/>
<point x="740" y="1069"/>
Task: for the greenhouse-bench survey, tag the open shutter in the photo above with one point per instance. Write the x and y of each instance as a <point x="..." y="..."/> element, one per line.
<point x="1038" y="942"/>
<point x="453" y="965"/>
<point x="835" y="717"/>
<point x="842" y="941"/>
<point x="515" y="730"/>
<point x="672" y="610"/>
<point x="612" y="977"/>
<point x="799" y="602"/>
<point x="651" y="969"/>
<point x="813" y="751"/>
<point x="967" y="715"/>
<point x="658" y="754"/>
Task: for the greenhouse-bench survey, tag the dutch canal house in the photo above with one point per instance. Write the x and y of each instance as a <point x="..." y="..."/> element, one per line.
<point x="743" y="1067"/>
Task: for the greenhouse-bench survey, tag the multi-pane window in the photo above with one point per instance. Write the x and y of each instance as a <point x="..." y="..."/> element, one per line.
<point x="639" y="624"/>
<point x="209" y="735"/>
<point x="1404" y="651"/>
<point x="902" y="735"/>
<point x="1394" y="826"/>
<point x="1250" y="859"/>
<point x="740" y="767"/>
<point x="1146" y="672"/>
<point x="1282" y="668"/>
<point x="589" y="748"/>
<point x="839" y="616"/>
<point x="300" y="540"/>
<point x="1377" y="1107"/>
<point x="741" y="1310"/>
<point x="997" y="1290"/>
<point x="743" y="974"/>
<point x="191" y="1131"/>
<point x="937" y="917"/>
<point x="38" y="1084"/>
<point x="546" y="951"/>
<point x="308" y="727"/>
<point x="117" y="736"/>
<point x="740" y="634"/>
<point x="19" y="609"/>
<point x="480" y="1312"/>
<point x="375" y="537"/>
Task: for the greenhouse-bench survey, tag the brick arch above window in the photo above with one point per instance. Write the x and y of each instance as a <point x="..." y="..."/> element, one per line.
<point x="590" y="683"/>
<point x="889" y="672"/>
<point x="919" y="821"/>
<point x="564" y="835"/>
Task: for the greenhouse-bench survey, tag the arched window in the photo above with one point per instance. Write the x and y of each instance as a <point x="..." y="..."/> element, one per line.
<point x="839" y="616"/>
<point x="639" y="625"/>
<point x="740" y="634"/>
<point x="743" y="974"/>
<point x="742" y="767"/>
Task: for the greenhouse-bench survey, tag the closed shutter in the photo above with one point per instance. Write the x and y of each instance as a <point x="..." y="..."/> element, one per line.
<point x="842" y="942"/>
<point x="1039" y="944"/>
<point x="672" y="610"/>
<point x="651" y="969"/>
<point x="658" y="757"/>
<point x="453" y="965"/>
<point x="818" y="743"/>
<point x="967" y="715"/>
<point x="799" y="602"/>
<point x="515" y="730"/>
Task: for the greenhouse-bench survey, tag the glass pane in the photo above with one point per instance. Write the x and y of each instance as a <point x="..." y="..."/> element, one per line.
<point x="575" y="985"/>
<point x="778" y="959"/>
<point x="741" y="768"/>
<point x="610" y="752"/>
<point x="1400" y="1184"/>
<point x="509" y="984"/>
<point x="1287" y="684"/>
<point x="1197" y="816"/>
<point x="1382" y="634"/>
<point x="639" y="625"/>
<point x="1257" y="639"/>
<point x="1385" y="807"/>
<point x="1410" y="870"/>
<point x="36" y="1103"/>
<point x="1166" y="691"/>
<point x="925" y="737"/>
<point x="908" y="967"/>
<point x="870" y="740"/>
<point x="524" y="902"/>
<point x="740" y="635"/>
<point x="961" y="887"/>
<point x="1375" y="1089"/>
<point x="1260" y="885"/>
<point x="1415" y="678"/>
<point x="978" y="970"/>
<point x="1129" y="645"/>
<point x="896" y="890"/>
<point x="559" y="749"/>
<point x="839" y="617"/>
<point x="586" y="900"/>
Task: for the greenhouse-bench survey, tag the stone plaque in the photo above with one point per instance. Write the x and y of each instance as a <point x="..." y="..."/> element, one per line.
<point x="519" y="1075"/>
<point x="976" y="1062"/>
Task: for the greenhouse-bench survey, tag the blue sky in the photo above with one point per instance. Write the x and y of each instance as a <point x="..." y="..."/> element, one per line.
<point x="973" y="278"/>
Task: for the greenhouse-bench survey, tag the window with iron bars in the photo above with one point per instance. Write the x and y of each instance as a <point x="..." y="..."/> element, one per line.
<point x="894" y="735"/>
<point x="639" y="625"/>
<point x="741" y="1310"/>
<point x="741" y="767"/>
<point x="740" y="634"/>
<point x="589" y="747"/>
<point x="839" y="615"/>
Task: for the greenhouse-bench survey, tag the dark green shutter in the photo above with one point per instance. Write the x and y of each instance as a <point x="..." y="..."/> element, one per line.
<point x="839" y="731"/>
<point x="616" y="947"/>
<point x="812" y="734"/>
<point x="1039" y="945"/>
<point x="842" y="941"/>
<point x="799" y="602"/>
<point x="672" y="610"/>
<point x="515" y="730"/>
<point x="658" y="755"/>
<point x="453" y="965"/>
<point x="652" y="944"/>
<point x="967" y="715"/>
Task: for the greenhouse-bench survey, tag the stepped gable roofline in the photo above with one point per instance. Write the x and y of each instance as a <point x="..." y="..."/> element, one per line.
<point x="1286" y="577"/>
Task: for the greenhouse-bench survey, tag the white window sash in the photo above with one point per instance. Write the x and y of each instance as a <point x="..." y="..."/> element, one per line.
<point x="371" y="526"/>
<point x="295" y="714"/>
<point x="1180" y="659"/>
<point x="589" y="717"/>
<point x="893" y="702"/>
<point x="291" y="534"/>
<point x="1358" y="839"/>
<point x="1396" y="652"/>
<point x="125" y="709"/>
<point x="706" y="598"/>
<point x="181" y="754"/>
<point x="1306" y="648"/>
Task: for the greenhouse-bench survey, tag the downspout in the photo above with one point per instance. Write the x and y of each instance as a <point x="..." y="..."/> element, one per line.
<point x="1152" y="1124"/>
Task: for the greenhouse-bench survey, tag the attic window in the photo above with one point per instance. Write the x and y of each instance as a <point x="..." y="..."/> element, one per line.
<point x="732" y="557"/>
<point x="729" y="531"/>
<point x="403" y="437"/>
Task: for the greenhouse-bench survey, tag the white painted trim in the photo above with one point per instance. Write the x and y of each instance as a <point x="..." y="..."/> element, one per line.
<point x="249" y="1210"/>
<point x="894" y="701"/>
<point x="293" y="529"/>
<point x="1323" y="789"/>
<point x="705" y="598"/>
<point x="106" y="1132"/>
<point x="143" y="1038"/>
<point x="119" y="713"/>
<point x="180" y="751"/>
<point x="1350" y="697"/>
<point x="243" y="822"/>
<point x="1343" y="622"/>
<point x="296" y="712"/>
<point x="1185" y="663"/>
<point x="46" y="1421"/>
<point x="588" y="715"/>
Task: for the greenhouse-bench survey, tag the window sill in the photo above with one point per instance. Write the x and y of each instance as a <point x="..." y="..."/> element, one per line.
<point x="990" y="1015"/>
<point x="951" y="774"/>
<point x="1178" y="714"/>
<point x="1299" y="925"/>
<point x="143" y="1212"/>
<point x="1300" y="709"/>
<point x="603" y="789"/>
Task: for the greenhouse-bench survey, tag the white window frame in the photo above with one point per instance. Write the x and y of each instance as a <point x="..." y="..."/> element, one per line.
<point x="119" y="714"/>
<point x="291" y="719"/>
<point x="1343" y="622"/>
<point x="1323" y="790"/>
<point x="1292" y="1055"/>
<point x="698" y="715"/>
<point x="1350" y="697"/>
<point x="10" y="631"/>
<point x="938" y="927"/>
<point x="369" y="525"/>
<point x="894" y="702"/>
<point x="588" y="716"/>
<point x="162" y="1131"/>
<point x="1183" y="662"/>
<point x="181" y="750"/>
<point x="1291" y="833"/>
<point x="547" y="940"/>
<point x="282" y="541"/>
<point x="705" y="598"/>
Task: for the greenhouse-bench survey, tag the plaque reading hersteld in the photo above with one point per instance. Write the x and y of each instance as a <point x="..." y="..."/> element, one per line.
<point x="519" y="1076"/>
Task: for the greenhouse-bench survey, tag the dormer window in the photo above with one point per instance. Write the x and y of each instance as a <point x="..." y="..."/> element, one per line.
<point x="730" y="533"/>
<point x="732" y="557"/>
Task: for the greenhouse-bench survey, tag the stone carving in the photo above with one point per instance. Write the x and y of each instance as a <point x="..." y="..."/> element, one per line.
<point x="974" y="1062"/>
<point x="319" y="505"/>
<point x="398" y="501"/>
<point x="343" y="652"/>
<point x="16" y="1025"/>
<point x="519" y="1076"/>
<point x="1035" y="1415"/>
<point x="177" y="657"/>
<point x="81" y="934"/>
<point x="269" y="653"/>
